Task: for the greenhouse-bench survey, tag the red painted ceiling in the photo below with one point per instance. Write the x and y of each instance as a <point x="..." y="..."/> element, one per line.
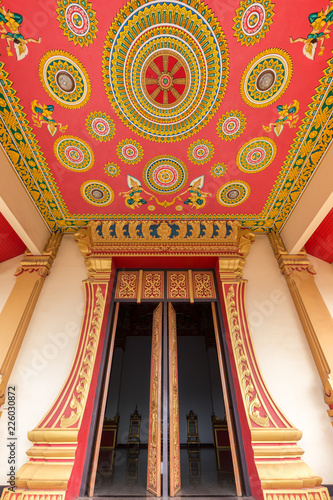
<point x="209" y="65"/>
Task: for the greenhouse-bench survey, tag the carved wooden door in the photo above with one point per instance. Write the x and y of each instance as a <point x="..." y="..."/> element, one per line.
<point x="175" y="481"/>
<point x="154" y="433"/>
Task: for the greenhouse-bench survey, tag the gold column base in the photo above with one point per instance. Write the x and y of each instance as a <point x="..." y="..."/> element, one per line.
<point x="279" y="460"/>
<point x="298" y="494"/>
<point x="17" y="494"/>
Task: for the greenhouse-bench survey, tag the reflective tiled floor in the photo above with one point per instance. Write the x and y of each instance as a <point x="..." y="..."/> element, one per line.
<point x="127" y="478"/>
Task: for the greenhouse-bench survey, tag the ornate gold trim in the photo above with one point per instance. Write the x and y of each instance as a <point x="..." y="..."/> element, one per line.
<point x="100" y="239"/>
<point x="80" y="394"/>
<point x="252" y="399"/>
<point x="277" y="455"/>
<point x="175" y="480"/>
<point x="154" y="435"/>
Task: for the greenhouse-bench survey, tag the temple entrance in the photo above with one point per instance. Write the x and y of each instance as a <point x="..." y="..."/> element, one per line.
<point x="165" y="418"/>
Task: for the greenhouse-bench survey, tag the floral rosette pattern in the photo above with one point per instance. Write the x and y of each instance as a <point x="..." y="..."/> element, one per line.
<point x="252" y="21"/>
<point x="231" y="125"/>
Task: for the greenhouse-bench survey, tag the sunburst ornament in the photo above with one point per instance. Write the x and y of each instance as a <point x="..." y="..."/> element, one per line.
<point x="266" y="77"/>
<point x="100" y="126"/>
<point x="252" y="21"/>
<point x="73" y="153"/>
<point x="77" y="21"/>
<point x="233" y="193"/>
<point x="97" y="193"/>
<point x="130" y="151"/>
<point x="231" y="125"/>
<point x="112" y="169"/>
<point x="256" y="155"/>
<point x="218" y="170"/>
<point x="163" y="79"/>
<point x="165" y="174"/>
<point x="64" y="79"/>
<point x="200" y="151"/>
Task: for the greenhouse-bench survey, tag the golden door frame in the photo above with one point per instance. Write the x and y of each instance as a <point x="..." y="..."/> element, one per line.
<point x="273" y="457"/>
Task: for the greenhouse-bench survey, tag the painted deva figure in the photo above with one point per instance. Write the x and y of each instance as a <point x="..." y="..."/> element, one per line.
<point x="133" y="197"/>
<point x="10" y="23"/>
<point x="320" y="23"/>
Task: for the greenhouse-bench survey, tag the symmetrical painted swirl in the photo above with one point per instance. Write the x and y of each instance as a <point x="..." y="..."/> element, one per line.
<point x="165" y="67"/>
<point x="256" y="155"/>
<point x="97" y="193"/>
<point x="129" y="151"/>
<point x="200" y="151"/>
<point x="233" y="193"/>
<point x="231" y="125"/>
<point x="78" y="21"/>
<point x="100" y="126"/>
<point x="266" y="78"/>
<point x="64" y="79"/>
<point x="165" y="174"/>
<point x="252" y="21"/>
<point x="73" y="153"/>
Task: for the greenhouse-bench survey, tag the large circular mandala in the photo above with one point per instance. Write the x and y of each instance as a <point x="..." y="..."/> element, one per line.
<point x="266" y="78"/>
<point x="165" y="67"/>
<point x="97" y="193"/>
<point x="64" y="79"/>
<point x="233" y="193"/>
<point x="200" y="151"/>
<point x="231" y="125"/>
<point x="129" y="151"/>
<point x="252" y="21"/>
<point x="100" y="126"/>
<point x="78" y="21"/>
<point x="73" y="153"/>
<point x="256" y="155"/>
<point x="165" y="174"/>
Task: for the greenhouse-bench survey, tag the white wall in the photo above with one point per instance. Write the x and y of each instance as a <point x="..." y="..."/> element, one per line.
<point x="284" y="356"/>
<point x="7" y="278"/>
<point x="324" y="280"/>
<point x="48" y="348"/>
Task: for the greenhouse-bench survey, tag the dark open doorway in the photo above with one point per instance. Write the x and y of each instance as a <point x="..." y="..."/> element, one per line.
<point x="207" y="460"/>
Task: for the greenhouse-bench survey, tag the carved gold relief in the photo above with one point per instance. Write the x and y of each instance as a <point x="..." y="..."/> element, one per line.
<point x="154" y="433"/>
<point x="80" y="394"/>
<point x="175" y="482"/>
<point x="153" y="285"/>
<point x="253" y="403"/>
<point x="127" y="285"/>
<point x="204" y="287"/>
<point x="178" y="285"/>
<point x="41" y="263"/>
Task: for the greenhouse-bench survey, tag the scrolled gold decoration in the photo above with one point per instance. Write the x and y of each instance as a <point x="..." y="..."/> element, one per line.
<point x="127" y="284"/>
<point x="253" y="403"/>
<point x="154" y="433"/>
<point x="177" y="286"/>
<point x="175" y="478"/>
<point x="204" y="285"/>
<point x="173" y="231"/>
<point x="164" y="230"/>
<point x="153" y="285"/>
<point x="79" y="396"/>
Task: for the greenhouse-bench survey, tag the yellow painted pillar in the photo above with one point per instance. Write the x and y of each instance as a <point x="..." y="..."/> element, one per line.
<point x="316" y="319"/>
<point x="16" y="313"/>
